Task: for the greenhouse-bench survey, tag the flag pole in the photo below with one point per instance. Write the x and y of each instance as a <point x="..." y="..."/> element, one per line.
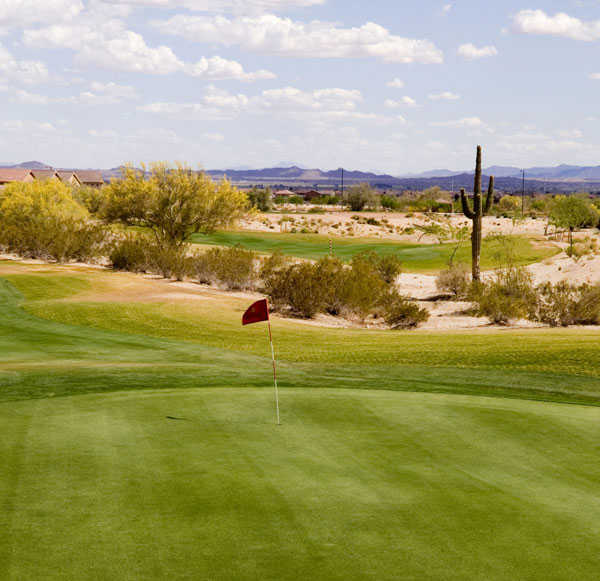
<point x="274" y="373"/>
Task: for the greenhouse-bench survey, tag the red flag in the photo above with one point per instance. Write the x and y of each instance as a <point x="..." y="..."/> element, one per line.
<point x="256" y="313"/>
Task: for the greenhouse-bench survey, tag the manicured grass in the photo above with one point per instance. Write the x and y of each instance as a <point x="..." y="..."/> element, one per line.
<point x="137" y="440"/>
<point x="353" y="485"/>
<point x="415" y="257"/>
<point x="93" y="346"/>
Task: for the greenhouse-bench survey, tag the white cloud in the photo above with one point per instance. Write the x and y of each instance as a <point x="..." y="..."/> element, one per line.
<point x="24" y="12"/>
<point x="396" y="83"/>
<point x="271" y="34"/>
<point x="561" y="24"/>
<point x="321" y="105"/>
<point x="26" y="72"/>
<point x="98" y="94"/>
<point x="464" y="123"/>
<point x="218" y="137"/>
<point x="444" y="96"/>
<point x="446" y="8"/>
<point x="594" y="76"/>
<point x="236" y="6"/>
<point x="471" y="52"/>
<point x="108" y="44"/>
<point x="404" y="102"/>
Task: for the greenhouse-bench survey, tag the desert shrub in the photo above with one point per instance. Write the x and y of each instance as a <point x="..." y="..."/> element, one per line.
<point x="363" y="287"/>
<point x="587" y="310"/>
<point x="387" y="266"/>
<point x="331" y="276"/>
<point x="168" y="260"/>
<point x="130" y="252"/>
<point x="509" y="295"/>
<point x="296" y="286"/>
<point x="41" y="219"/>
<point x="454" y="280"/>
<point x="401" y="313"/>
<point x="563" y="304"/>
<point x="234" y="268"/>
<point x="390" y="202"/>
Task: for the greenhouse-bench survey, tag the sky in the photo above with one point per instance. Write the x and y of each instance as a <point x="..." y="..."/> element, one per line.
<point x="389" y="86"/>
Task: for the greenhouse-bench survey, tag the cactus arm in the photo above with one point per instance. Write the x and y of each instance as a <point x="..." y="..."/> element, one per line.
<point x="465" y="205"/>
<point x="490" y="197"/>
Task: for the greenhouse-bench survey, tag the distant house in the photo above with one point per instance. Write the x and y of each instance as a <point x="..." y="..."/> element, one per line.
<point x="9" y="175"/>
<point x="284" y="194"/>
<point x="68" y="177"/>
<point x="308" y="194"/>
<point x="90" y="178"/>
<point x="44" y="174"/>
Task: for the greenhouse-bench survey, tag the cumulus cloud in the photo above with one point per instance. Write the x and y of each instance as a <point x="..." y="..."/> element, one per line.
<point x="471" y="52"/>
<point x="320" y="104"/>
<point x="108" y="44"/>
<point x="98" y="94"/>
<point x="237" y="6"/>
<point x="561" y="24"/>
<point x="396" y="83"/>
<point x="404" y="102"/>
<point x="464" y="123"/>
<point x="444" y="96"/>
<point x="25" y="12"/>
<point x="21" y="71"/>
<point x="272" y="34"/>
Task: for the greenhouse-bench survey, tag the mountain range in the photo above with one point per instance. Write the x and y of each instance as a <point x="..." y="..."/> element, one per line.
<point x="562" y="178"/>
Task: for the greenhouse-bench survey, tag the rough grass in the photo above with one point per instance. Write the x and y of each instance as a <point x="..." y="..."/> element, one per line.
<point x="415" y="257"/>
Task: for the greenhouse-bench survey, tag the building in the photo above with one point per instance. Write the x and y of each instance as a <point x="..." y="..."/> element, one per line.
<point x="44" y="174"/>
<point x="283" y="194"/>
<point x="308" y="195"/>
<point x="90" y="178"/>
<point x="8" y="175"/>
<point x="68" y="177"/>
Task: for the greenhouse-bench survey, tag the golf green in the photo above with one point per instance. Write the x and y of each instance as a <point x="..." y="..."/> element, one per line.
<point x="354" y="485"/>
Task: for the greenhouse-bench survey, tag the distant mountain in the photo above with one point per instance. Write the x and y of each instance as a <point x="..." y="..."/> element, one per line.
<point x="29" y="165"/>
<point x="563" y="178"/>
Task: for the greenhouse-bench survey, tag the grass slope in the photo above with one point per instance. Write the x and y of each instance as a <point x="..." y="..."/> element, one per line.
<point x="354" y="485"/>
<point x="109" y="345"/>
<point x="415" y="257"/>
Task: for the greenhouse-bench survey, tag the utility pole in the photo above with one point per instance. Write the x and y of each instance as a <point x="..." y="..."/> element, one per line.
<point x="342" y="183"/>
<point x="523" y="194"/>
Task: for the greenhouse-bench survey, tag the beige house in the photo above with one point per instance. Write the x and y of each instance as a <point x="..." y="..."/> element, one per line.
<point x="45" y="174"/>
<point x="90" y="178"/>
<point x="69" y="177"/>
<point x="8" y="175"/>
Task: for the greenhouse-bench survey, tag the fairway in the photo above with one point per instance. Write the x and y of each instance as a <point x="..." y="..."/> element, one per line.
<point x="354" y="485"/>
<point x="138" y="442"/>
<point x="414" y="257"/>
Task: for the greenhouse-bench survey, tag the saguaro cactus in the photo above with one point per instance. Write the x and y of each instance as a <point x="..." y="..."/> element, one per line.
<point x="476" y="214"/>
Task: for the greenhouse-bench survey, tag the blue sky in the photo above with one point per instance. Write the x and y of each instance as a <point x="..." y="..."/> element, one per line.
<point x="387" y="86"/>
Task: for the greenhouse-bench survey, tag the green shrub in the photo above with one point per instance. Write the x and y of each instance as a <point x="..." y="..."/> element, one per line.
<point x="130" y="252"/>
<point x="454" y="280"/>
<point x="363" y="287"/>
<point x="331" y="275"/>
<point x="388" y="266"/>
<point x="296" y="286"/>
<point x="508" y="296"/>
<point x="234" y="268"/>
<point x="402" y="313"/>
<point x="564" y="304"/>
<point x="169" y="260"/>
<point x="261" y="199"/>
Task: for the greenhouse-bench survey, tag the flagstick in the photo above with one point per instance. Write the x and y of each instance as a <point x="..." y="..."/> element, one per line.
<point x="274" y="372"/>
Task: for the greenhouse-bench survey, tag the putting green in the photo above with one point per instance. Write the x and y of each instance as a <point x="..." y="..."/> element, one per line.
<point x="354" y="485"/>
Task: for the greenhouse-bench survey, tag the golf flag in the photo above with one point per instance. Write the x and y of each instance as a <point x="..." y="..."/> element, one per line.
<point x="257" y="313"/>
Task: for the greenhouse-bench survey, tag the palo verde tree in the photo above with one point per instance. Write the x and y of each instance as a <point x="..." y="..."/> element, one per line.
<point x="573" y="213"/>
<point x="173" y="203"/>
<point x="476" y="214"/>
